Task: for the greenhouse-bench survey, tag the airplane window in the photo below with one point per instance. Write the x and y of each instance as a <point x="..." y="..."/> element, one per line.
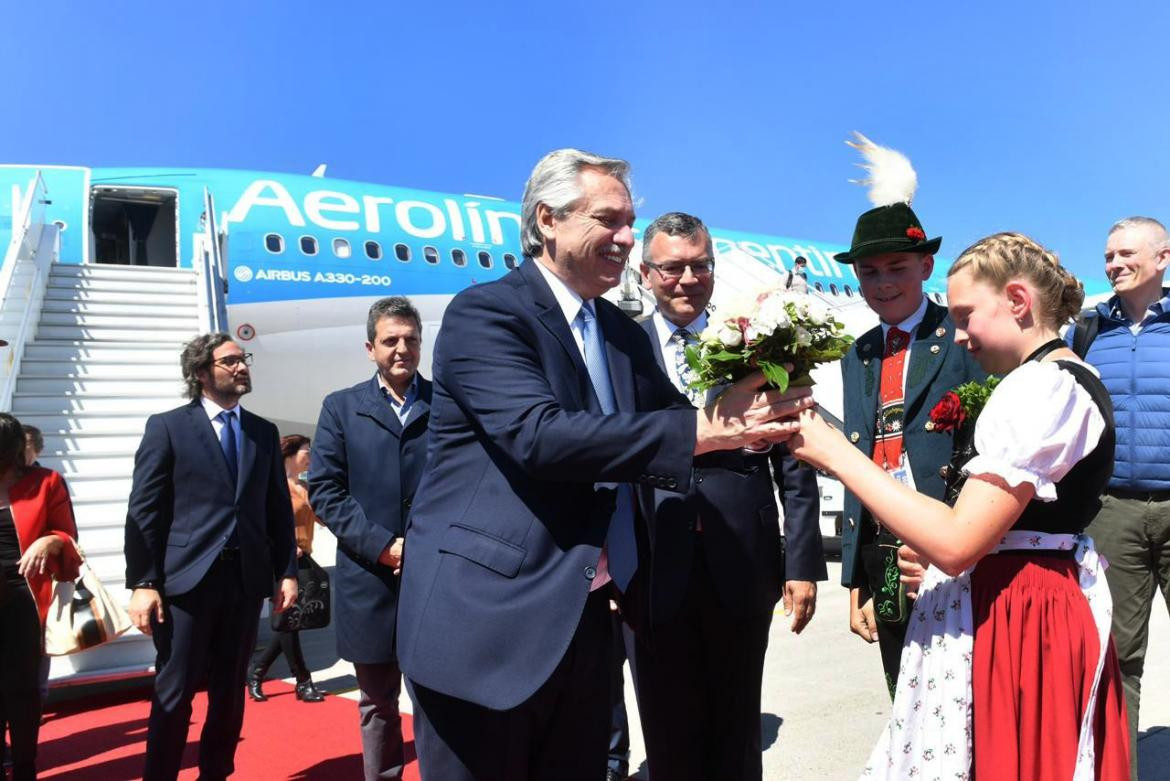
<point x="402" y="252"/>
<point x="833" y="288"/>
<point x="509" y="260"/>
<point x="373" y="250"/>
<point x="308" y="245"/>
<point x="849" y="291"/>
<point x="484" y="258"/>
<point x="341" y="248"/>
<point x="459" y="257"/>
<point x="820" y="288"/>
<point x="274" y="243"/>
<point x="431" y="255"/>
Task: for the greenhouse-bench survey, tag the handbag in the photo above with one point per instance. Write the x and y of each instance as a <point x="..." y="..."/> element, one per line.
<point x="312" y="608"/>
<point x="82" y="615"/>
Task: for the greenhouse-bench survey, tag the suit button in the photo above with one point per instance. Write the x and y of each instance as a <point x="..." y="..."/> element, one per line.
<point x="929" y="425"/>
<point x="698" y="479"/>
<point x="672" y="483"/>
<point x="854" y="437"/>
<point x="406" y="503"/>
<point x="590" y="573"/>
<point x="851" y="522"/>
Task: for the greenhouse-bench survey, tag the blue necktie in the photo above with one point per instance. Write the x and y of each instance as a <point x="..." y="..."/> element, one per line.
<point x="229" y="442"/>
<point x="620" y="543"/>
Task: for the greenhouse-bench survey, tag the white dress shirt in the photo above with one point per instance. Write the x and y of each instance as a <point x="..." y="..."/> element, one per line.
<point x="212" y="409"/>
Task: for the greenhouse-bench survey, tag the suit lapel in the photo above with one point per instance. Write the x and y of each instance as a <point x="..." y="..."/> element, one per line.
<point x="249" y="448"/>
<point x="552" y="317"/>
<point x="869" y="363"/>
<point x="374" y="405"/>
<point x="204" y="434"/>
<point x="652" y="332"/>
<point x="931" y="343"/>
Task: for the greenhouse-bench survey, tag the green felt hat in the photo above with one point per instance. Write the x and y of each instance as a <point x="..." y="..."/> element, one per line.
<point x="893" y="228"/>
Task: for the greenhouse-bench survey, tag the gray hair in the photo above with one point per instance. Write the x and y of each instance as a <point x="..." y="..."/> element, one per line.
<point x="554" y="183"/>
<point x="391" y="306"/>
<point x="197" y="357"/>
<point x="1145" y="222"/>
<point x="674" y="224"/>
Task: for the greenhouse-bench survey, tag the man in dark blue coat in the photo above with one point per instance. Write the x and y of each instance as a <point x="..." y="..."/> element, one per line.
<point x="208" y="528"/>
<point x="548" y="405"/>
<point x="718" y="564"/>
<point x="366" y="464"/>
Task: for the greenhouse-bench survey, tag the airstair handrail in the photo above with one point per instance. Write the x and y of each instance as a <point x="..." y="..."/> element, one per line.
<point x="210" y="265"/>
<point x="23" y="279"/>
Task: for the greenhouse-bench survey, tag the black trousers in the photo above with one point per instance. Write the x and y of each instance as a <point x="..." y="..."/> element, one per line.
<point x="560" y="732"/>
<point x="288" y="643"/>
<point x="21" y="644"/>
<point x="619" y="727"/>
<point x="698" y="677"/>
<point x="208" y="633"/>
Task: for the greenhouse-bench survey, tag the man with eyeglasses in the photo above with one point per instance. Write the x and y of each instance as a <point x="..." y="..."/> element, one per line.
<point x="717" y="565"/>
<point x="209" y="528"/>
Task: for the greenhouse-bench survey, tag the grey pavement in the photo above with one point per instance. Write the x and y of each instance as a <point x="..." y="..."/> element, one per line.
<point x="824" y="700"/>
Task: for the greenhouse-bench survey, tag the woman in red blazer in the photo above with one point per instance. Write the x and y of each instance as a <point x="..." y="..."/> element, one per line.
<point x="37" y="534"/>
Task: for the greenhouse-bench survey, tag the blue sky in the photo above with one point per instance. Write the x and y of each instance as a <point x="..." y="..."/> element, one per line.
<point x="1049" y="118"/>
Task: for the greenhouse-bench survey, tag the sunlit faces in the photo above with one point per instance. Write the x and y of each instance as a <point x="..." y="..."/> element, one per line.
<point x="681" y="298"/>
<point x="892" y="283"/>
<point x="229" y="374"/>
<point x="590" y="245"/>
<point x="987" y="321"/>
<point x="395" y="350"/>
<point x="1132" y="260"/>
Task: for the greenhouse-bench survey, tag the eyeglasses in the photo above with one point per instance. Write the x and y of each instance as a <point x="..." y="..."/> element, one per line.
<point x="700" y="268"/>
<point x="234" y="361"/>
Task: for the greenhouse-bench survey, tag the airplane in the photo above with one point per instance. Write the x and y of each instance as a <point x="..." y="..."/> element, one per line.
<point x="109" y="270"/>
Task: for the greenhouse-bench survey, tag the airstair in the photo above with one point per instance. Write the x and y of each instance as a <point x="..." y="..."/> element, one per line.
<point x="94" y="352"/>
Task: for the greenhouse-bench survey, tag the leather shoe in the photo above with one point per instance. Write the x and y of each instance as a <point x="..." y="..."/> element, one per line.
<point x="255" y="681"/>
<point x="614" y="775"/>
<point x="307" y="692"/>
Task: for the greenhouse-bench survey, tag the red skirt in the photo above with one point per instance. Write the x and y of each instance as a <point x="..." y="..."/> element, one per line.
<point x="1034" y="659"/>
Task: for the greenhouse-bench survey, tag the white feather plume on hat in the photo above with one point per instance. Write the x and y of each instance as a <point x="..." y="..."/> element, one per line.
<point x="891" y="177"/>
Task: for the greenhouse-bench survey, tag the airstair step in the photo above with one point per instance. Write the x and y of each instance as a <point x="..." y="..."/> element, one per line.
<point x="108" y="334"/>
<point x="88" y="352"/>
<point x="43" y="403"/>
<point x="57" y="423"/>
<point x="69" y="386"/>
<point x="100" y="487"/>
<point x="147" y="306"/>
<point x="183" y="319"/>
<point x="92" y="443"/>
<point x="73" y="464"/>
<point x="61" y="295"/>
<point x="113" y="271"/>
<point x="101" y="371"/>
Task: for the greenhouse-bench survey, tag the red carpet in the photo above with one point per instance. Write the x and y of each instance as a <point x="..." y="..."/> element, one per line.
<point x="104" y="739"/>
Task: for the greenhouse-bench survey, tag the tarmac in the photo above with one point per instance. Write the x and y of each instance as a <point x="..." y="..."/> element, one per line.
<point x="824" y="696"/>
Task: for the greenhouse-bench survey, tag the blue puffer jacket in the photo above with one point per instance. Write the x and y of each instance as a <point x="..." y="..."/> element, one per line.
<point x="1136" y="371"/>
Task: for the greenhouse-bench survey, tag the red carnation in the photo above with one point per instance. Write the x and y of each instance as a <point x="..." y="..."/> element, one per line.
<point x="948" y="414"/>
<point x="915" y="233"/>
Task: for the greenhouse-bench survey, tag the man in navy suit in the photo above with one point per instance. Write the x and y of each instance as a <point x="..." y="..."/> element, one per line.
<point x="366" y="464"/>
<point x="209" y="528"/>
<point x="893" y="376"/>
<point x="547" y="406"/>
<point x="718" y="564"/>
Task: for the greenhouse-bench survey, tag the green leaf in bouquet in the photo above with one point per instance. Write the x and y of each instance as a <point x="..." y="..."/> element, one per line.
<point x="693" y="358"/>
<point x="776" y="374"/>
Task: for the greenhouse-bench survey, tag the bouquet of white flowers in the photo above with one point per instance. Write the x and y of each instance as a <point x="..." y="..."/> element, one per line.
<point x="778" y="327"/>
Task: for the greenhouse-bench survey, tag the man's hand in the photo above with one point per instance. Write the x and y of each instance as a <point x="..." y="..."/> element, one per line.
<point x="392" y="556"/>
<point x="285" y="595"/>
<point x="861" y="620"/>
<point x="144" y="603"/>
<point x="744" y="414"/>
<point x="800" y="602"/>
<point x="913" y="568"/>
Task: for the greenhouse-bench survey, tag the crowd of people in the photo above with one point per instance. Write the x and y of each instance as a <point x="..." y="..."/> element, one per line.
<point x="560" y="498"/>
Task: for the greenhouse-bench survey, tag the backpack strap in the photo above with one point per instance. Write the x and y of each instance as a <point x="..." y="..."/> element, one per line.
<point x="1086" y="326"/>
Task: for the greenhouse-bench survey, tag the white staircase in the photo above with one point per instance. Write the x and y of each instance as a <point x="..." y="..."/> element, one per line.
<point x="105" y="357"/>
